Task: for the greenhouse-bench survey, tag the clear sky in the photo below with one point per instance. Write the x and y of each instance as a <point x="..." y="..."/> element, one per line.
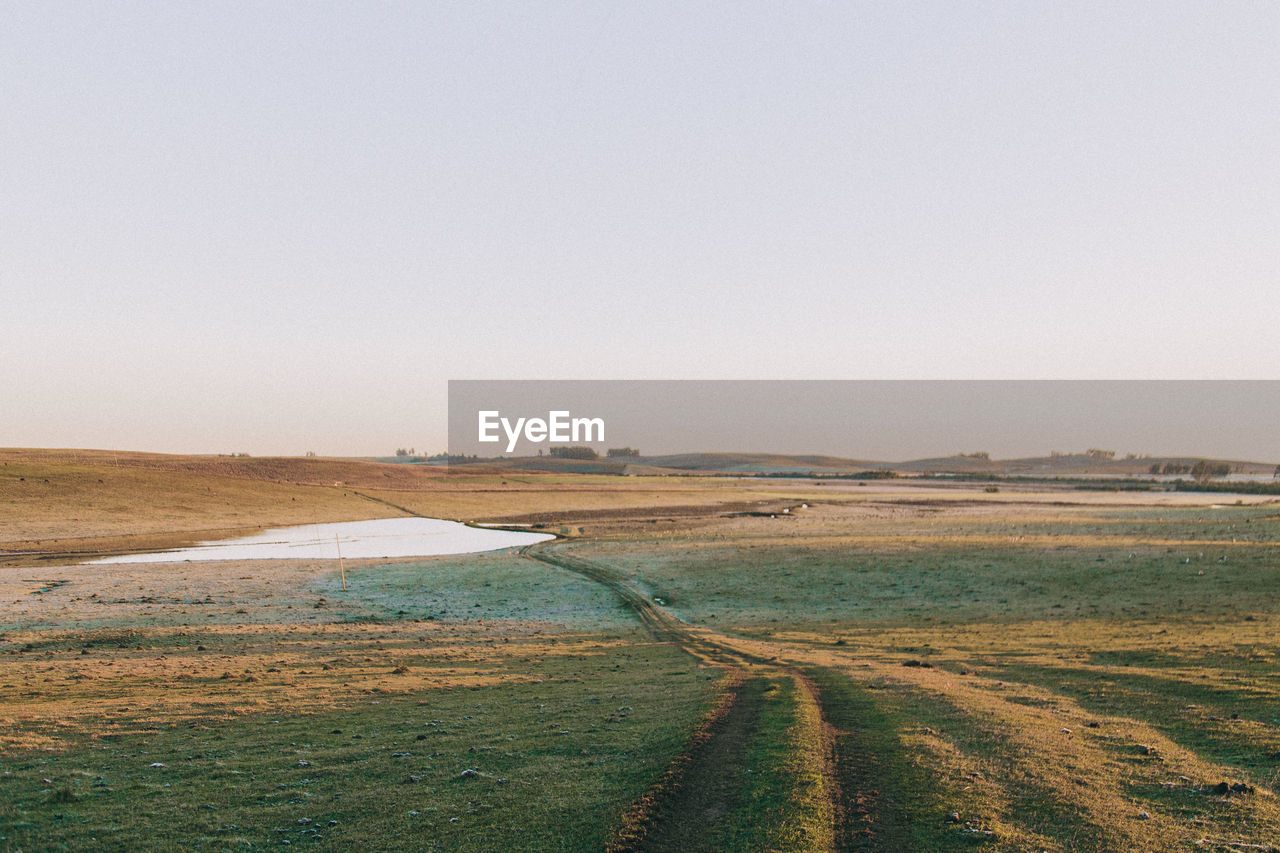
<point x="280" y="227"/>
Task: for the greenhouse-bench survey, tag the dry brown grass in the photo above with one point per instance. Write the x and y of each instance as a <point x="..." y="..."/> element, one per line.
<point x="67" y="685"/>
<point x="58" y="504"/>
<point x="1003" y="744"/>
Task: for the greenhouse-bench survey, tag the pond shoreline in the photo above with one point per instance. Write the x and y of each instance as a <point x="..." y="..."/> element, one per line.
<point x="371" y="539"/>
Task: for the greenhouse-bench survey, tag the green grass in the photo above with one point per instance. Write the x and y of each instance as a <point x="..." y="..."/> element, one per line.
<point x="784" y="802"/>
<point x="478" y="586"/>
<point x="790" y="584"/>
<point x="553" y="758"/>
<point x="891" y="800"/>
<point x="1090" y="673"/>
<point x="533" y="677"/>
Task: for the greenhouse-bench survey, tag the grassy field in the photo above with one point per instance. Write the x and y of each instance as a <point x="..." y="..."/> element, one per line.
<point x="700" y="665"/>
<point x="447" y="700"/>
<point x="1056" y="677"/>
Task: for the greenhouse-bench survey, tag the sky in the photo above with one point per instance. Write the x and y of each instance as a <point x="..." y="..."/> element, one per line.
<point x="275" y="228"/>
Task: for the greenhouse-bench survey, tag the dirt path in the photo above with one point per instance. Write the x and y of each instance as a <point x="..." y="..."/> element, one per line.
<point x="661" y="624"/>
<point x="685" y="809"/>
<point x="712" y="782"/>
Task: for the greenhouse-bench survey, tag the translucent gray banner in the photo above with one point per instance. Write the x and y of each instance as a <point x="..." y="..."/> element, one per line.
<point x="870" y="422"/>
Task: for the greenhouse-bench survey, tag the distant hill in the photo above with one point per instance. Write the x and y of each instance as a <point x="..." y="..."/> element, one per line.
<point x="746" y="464"/>
<point x="758" y="462"/>
<point x="685" y="463"/>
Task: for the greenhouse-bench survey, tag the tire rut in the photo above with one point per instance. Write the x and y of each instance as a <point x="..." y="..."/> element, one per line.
<point x="683" y="810"/>
<point x="702" y="784"/>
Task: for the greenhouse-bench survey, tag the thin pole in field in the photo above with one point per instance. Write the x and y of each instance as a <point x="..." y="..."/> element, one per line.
<point x="341" y="570"/>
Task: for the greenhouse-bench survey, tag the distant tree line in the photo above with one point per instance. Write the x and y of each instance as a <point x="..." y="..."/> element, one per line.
<point x="573" y="453"/>
<point x="879" y="474"/>
<point x="622" y="451"/>
<point x="1202" y="471"/>
<point x="1236" y="488"/>
<point x="1094" y="453"/>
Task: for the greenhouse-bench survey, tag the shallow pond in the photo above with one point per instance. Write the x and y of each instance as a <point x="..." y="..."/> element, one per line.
<point x="380" y="537"/>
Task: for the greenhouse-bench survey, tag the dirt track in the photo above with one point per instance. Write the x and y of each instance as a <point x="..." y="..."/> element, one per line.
<point x="682" y="811"/>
